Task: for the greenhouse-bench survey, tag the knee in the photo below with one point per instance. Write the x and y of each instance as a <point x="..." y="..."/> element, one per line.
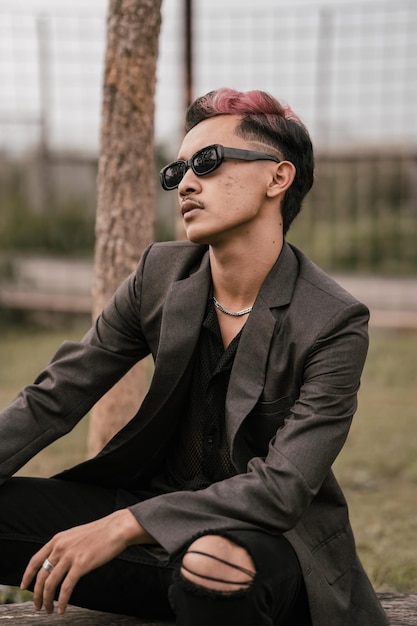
<point x="215" y="562"/>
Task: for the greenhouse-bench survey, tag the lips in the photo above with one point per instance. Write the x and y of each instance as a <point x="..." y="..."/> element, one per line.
<point x="190" y="205"/>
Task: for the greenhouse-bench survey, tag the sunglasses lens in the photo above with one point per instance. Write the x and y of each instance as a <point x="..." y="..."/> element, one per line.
<point x="172" y="175"/>
<point x="205" y="161"/>
<point x="202" y="162"/>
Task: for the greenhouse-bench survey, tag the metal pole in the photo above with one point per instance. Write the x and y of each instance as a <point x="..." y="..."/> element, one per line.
<point x="188" y="53"/>
<point x="44" y="89"/>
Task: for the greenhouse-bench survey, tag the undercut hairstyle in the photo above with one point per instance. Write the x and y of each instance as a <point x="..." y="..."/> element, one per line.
<point x="264" y="120"/>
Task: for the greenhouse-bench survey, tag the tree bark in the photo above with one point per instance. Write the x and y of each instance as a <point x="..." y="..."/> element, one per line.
<point x="126" y="180"/>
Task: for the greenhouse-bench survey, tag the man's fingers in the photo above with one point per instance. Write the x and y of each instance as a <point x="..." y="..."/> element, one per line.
<point x="46" y="586"/>
<point x="47" y="581"/>
<point x="34" y="566"/>
<point x="38" y="589"/>
<point x="66" y="590"/>
<point x="49" y="589"/>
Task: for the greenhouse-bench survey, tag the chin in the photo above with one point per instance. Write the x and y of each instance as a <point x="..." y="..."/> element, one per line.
<point x="197" y="237"/>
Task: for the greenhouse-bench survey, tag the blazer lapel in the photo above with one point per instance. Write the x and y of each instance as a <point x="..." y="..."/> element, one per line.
<point x="249" y="369"/>
<point x="184" y="311"/>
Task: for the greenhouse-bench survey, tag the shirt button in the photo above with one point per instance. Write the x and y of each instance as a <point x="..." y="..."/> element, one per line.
<point x="210" y="439"/>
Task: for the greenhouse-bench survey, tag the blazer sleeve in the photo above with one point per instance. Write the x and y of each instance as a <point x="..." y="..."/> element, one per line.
<point x="78" y="375"/>
<point x="276" y="490"/>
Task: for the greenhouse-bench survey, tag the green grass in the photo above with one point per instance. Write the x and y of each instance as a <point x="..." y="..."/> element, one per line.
<point x="377" y="468"/>
<point x="24" y="352"/>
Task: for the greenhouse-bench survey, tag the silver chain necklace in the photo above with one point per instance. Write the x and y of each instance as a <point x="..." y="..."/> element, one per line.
<point x="231" y="313"/>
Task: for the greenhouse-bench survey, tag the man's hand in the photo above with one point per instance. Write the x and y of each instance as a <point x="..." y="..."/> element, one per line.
<point x="79" y="550"/>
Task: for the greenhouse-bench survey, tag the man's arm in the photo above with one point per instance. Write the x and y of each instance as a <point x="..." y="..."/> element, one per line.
<point x="77" y="377"/>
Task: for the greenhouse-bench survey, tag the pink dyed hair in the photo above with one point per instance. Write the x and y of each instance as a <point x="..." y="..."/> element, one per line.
<point x="266" y="120"/>
<point x="228" y="101"/>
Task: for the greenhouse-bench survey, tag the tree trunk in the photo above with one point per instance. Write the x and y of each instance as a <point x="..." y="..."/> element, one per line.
<point x="126" y="178"/>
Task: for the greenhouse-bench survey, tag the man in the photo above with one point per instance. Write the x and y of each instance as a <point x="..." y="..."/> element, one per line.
<point x="216" y="503"/>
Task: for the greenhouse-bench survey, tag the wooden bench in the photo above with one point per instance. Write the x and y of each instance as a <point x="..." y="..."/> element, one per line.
<point x="23" y="615"/>
<point x="401" y="609"/>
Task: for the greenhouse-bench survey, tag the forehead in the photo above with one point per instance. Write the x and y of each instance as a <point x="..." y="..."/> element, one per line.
<point x="219" y="129"/>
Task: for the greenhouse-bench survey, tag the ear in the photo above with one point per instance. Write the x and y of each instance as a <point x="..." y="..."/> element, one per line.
<point x="283" y="176"/>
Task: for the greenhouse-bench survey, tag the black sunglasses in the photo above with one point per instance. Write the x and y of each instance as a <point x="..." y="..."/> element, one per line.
<point x="205" y="161"/>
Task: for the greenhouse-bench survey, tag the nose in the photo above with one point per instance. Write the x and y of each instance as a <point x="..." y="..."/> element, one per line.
<point x="190" y="183"/>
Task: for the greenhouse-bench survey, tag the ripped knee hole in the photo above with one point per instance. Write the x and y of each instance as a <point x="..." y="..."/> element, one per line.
<point x="214" y="572"/>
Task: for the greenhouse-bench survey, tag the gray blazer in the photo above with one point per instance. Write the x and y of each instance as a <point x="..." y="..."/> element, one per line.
<point x="289" y="406"/>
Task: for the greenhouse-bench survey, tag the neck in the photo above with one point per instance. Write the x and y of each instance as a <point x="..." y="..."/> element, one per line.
<point x="238" y="274"/>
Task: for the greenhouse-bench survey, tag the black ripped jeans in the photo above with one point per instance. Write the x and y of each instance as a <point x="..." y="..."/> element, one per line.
<point x="139" y="582"/>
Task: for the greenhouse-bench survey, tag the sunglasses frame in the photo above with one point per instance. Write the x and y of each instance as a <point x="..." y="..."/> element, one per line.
<point x="222" y="153"/>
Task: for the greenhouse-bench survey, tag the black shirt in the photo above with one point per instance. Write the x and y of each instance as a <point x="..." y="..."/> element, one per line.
<point x="199" y="452"/>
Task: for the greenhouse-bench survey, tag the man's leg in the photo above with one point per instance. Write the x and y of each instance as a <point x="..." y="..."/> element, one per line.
<point x="33" y="510"/>
<point x="241" y="577"/>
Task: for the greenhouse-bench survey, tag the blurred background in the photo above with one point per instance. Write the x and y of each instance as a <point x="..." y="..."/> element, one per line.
<point x="349" y="69"/>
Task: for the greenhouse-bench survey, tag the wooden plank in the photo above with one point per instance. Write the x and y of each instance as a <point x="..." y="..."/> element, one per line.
<point x="401" y="609"/>
<point x="24" y="615"/>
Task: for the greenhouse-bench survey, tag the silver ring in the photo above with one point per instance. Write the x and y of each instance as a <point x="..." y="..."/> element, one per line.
<point x="48" y="565"/>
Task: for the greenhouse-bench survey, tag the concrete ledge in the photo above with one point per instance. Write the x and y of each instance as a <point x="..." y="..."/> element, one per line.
<point x="401" y="609"/>
<point x="40" y="301"/>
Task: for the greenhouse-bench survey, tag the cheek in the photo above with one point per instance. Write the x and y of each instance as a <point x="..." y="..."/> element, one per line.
<point x="232" y="190"/>
<point x="239" y="193"/>
<point x="239" y="187"/>
<point x="230" y="183"/>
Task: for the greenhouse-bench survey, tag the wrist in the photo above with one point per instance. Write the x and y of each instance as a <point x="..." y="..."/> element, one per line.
<point x="132" y="531"/>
